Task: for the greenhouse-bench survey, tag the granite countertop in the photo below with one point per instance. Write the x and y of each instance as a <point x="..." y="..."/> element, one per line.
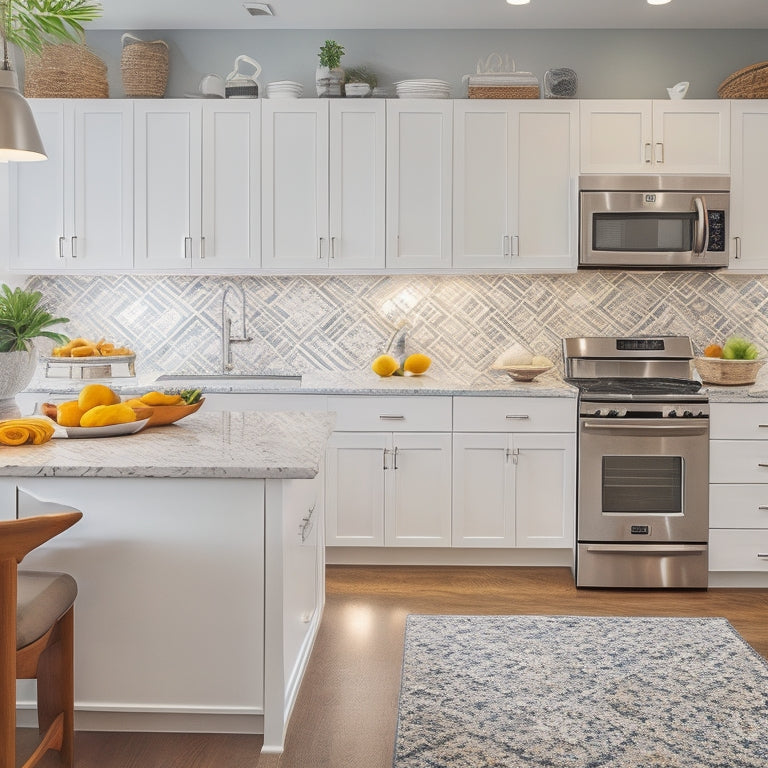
<point x="228" y="444"/>
<point x="363" y="382"/>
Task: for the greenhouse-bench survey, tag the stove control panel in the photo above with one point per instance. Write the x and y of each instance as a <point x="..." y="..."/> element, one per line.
<point x="644" y="411"/>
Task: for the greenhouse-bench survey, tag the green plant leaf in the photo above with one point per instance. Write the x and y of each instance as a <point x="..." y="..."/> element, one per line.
<point x="23" y="319"/>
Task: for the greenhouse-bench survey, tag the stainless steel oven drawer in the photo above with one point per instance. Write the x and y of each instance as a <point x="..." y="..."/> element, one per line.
<point x="677" y="566"/>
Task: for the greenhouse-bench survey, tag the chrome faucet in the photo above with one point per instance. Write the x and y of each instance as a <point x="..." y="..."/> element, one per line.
<point x="226" y="327"/>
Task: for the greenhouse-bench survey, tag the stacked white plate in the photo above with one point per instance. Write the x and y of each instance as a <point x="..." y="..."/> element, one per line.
<point x="284" y="89"/>
<point x="357" y="89"/>
<point x="423" y="89"/>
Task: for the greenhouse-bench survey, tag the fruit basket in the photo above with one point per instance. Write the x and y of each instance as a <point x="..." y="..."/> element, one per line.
<point x="523" y="372"/>
<point x="716" y="370"/>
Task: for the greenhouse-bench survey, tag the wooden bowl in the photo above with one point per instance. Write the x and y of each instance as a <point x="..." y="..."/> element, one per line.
<point x="168" y="414"/>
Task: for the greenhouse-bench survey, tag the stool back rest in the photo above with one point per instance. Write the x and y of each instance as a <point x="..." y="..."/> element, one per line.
<point x="19" y="537"/>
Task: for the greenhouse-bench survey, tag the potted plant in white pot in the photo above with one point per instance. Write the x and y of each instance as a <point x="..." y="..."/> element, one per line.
<point x="23" y="319"/>
<point x="329" y="76"/>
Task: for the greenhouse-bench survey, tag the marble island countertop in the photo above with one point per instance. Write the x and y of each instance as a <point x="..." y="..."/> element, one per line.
<point x="251" y="444"/>
<point x="361" y="382"/>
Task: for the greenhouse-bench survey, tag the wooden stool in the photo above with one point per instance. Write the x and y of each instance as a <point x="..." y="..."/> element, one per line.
<point x="36" y="639"/>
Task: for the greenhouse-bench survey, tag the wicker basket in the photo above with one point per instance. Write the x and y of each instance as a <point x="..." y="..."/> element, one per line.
<point x="748" y="83"/>
<point x="715" y="370"/>
<point x="503" y="91"/>
<point x="65" y="71"/>
<point x="144" y="67"/>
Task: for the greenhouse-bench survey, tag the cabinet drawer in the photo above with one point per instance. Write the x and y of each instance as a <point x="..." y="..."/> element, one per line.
<point x="391" y="414"/>
<point x="732" y="550"/>
<point x="738" y="506"/>
<point x="738" y="421"/>
<point x="514" y="414"/>
<point x="738" y="461"/>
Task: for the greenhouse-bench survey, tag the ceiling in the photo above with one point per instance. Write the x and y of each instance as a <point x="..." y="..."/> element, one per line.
<point x="433" y="14"/>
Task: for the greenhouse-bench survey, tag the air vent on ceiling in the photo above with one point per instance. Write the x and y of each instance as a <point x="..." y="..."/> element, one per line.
<point x="258" y="9"/>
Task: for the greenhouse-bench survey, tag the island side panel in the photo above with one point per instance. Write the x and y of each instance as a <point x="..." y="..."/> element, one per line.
<point x="170" y="612"/>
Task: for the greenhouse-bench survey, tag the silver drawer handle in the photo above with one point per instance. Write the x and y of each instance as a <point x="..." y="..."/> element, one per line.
<point x="763" y="426"/>
<point x="391" y="417"/>
<point x="517" y="416"/>
<point x="648" y="549"/>
<point x="763" y="506"/>
<point x="763" y="555"/>
<point x="694" y="426"/>
<point x="762" y="465"/>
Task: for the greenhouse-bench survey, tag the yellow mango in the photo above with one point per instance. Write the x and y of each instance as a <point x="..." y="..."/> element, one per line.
<point x="69" y="414"/>
<point x="106" y="415"/>
<point x="92" y="395"/>
<point x="159" y="398"/>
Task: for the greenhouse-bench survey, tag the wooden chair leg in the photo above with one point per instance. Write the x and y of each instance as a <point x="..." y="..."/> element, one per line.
<point x="55" y="689"/>
<point x="8" y="665"/>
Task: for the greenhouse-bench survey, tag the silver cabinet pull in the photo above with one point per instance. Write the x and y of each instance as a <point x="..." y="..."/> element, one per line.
<point x="517" y="416"/>
<point x="738" y="247"/>
<point x="391" y="417"/>
<point x="187" y="247"/>
<point x="762" y="426"/>
<point x="763" y="555"/>
<point x="515" y="245"/>
<point x="74" y="246"/>
<point x="384" y="466"/>
<point x="505" y="246"/>
<point x="61" y="247"/>
<point x="647" y="152"/>
<point x="659" y="152"/>
<point x="394" y="455"/>
<point x="762" y="465"/>
<point x="333" y="247"/>
<point x="320" y="247"/>
<point x="202" y="247"/>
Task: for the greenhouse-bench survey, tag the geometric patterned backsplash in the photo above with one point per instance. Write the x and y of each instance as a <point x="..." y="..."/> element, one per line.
<point x="301" y="323"/>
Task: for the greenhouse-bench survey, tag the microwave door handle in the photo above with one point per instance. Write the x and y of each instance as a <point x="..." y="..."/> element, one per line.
<point x="701" y="232"/>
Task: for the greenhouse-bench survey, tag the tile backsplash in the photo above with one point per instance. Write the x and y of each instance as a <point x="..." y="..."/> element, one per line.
<point x="300" y="323"/>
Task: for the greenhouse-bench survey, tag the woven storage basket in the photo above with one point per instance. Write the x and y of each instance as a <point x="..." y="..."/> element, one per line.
<point x="748" y="83"/>
<point x="503" y="91"/>
<point x="65" y="71"/>
<point x="714" y="370"/>
<point x="144" y="67"/>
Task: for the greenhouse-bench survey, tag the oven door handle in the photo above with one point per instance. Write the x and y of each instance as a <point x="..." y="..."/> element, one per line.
<point x="648" y="549"/>
<point x="701" y="236"/>
<point x="693" y="427"/>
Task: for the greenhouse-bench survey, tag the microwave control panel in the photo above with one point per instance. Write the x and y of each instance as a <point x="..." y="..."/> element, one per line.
<point x="716" y="220"/>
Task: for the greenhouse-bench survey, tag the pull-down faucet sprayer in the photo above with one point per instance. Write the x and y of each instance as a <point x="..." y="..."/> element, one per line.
<point x="226" y="327"/>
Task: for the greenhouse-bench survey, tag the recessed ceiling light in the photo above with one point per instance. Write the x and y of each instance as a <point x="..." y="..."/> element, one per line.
<point x="258" y="9"/>
<point x="518" y="2"/>
<point x="658" y="2"/>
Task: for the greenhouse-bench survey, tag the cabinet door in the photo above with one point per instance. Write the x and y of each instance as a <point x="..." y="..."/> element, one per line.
<point x="484" y="192"/>
<point x="36" y="199"/>
<point x="616" y="136"/>
<point x="418" y="511"/>
<point x="691" y="136"/>
<point x="483" y="491"/>
<point x="295" y="184"/>
<point x="167" y="183"/>
<point x="354" y="501"/>
<point x="419" y="183"/>
<point x="545" y="489"/>
<point x="231" y="191"/>
<point x="749" y="170"/>
<point x="546" y="187"/>
<point x="99" y="202"/>
<point x="357" y="183"/>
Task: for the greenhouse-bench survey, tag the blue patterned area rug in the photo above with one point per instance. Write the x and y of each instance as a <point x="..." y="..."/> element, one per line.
<point x="580" y="692"/>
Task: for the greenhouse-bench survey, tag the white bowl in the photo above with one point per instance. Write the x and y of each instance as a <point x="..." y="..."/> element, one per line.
<point x="523" y="372"/>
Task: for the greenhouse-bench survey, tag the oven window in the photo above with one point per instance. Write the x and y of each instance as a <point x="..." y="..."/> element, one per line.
<point x="643" y="232"/>
<point x="647" y="484"/>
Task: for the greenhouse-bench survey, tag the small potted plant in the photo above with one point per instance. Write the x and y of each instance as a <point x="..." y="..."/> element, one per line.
<point x="329" y="77"/>
<point x="22" y="320"/>
<point x="360" y="81"/>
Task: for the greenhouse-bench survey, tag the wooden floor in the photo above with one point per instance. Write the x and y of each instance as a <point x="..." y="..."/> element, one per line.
<point x="345" y="715"/>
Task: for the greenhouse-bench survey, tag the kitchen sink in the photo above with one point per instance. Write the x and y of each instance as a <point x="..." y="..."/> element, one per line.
<point x="258" y="380"/>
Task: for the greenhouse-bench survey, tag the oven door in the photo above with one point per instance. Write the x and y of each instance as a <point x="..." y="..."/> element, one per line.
<point x="643" y="480"/>
<point x="654" y="229"/>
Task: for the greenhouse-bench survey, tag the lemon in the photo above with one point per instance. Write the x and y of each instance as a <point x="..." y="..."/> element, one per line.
<point x="384" y="365"/>
<point x="416" y="363"/>
<point x="92" y="395"/>
<point x="69" y="414"/>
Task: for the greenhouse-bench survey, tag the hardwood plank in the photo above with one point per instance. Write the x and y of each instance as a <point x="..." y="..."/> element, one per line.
<point x="345" y="714"/>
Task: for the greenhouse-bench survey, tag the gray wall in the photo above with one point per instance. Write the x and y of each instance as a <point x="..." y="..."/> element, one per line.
<point x="610" y="64"/>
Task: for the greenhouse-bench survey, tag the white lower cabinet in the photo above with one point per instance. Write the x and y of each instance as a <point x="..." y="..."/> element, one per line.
<point x="514" y="488"/>
<point x="738" y="488"/>
<point x="388" y="485"/>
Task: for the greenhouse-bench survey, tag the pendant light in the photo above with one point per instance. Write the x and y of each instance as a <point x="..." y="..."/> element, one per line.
<point x="19" y="138"/>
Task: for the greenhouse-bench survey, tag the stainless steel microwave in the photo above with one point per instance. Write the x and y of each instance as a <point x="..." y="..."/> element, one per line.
<point x="654" y="222"/>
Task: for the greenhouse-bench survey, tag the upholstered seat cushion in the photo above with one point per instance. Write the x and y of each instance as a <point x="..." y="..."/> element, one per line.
<point x="43" y="598"/>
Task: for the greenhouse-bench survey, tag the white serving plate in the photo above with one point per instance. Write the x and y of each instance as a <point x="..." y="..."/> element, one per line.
<point x="112" y="430"/>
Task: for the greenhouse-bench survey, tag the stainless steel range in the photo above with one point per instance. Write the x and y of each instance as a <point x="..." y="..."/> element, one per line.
<point x="643" y="462"/>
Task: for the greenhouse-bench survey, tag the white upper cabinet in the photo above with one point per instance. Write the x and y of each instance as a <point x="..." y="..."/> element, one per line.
<point x="655" y="136"/>
<point x="515" y="167"/>
<point x="74" y="211"/>
<point x="197" y="185"/>
<point x="323" y="184"/>
<point x="749" y="171"/>
<point x="419" y="183"/>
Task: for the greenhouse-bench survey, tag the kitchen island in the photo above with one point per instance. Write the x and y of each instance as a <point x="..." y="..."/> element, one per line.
<point x="200" y="567"/>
